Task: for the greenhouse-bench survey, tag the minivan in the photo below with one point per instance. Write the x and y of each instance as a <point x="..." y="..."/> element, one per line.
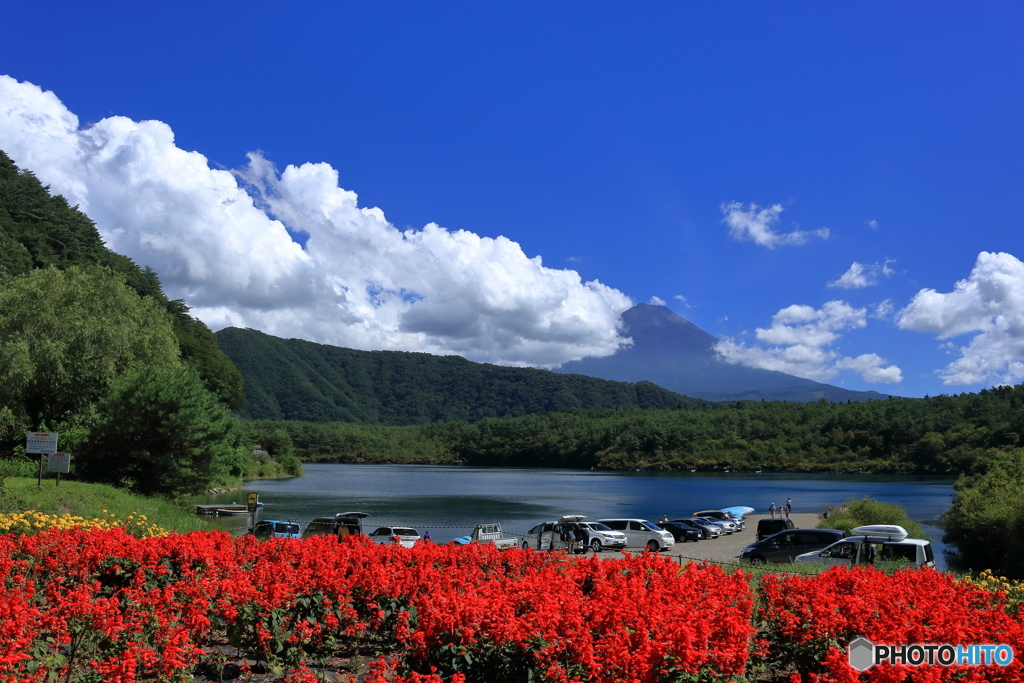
<point x="341" y="525"/>
<point x="786" y="545"/>
<point x="891" y="545"/>
<point x="641" y="534"/>
<point x="770" y="527"/>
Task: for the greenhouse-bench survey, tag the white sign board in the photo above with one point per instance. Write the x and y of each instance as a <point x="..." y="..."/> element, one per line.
<point x="41" y="442"/>
<point x="58" y="462"/>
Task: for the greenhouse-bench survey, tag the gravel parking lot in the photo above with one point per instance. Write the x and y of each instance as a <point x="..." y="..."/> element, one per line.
<point x="727" y="548"/>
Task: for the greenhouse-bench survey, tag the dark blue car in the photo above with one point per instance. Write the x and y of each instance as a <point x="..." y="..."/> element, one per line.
<point x="272" y="528"/>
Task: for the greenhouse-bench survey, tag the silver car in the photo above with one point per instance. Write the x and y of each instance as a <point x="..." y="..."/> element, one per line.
<point x="386" y="535"/>
<point x="723" y="516"/>
<point x="727" y="526"/>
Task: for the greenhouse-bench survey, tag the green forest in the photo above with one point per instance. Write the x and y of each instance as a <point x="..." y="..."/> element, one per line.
<point x="292" y="379"/>
<point x="91" y="348"/>
<point x="942" y="435"/>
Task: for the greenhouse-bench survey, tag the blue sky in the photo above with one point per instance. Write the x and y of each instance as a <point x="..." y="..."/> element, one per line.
<point x="607" y="139"/>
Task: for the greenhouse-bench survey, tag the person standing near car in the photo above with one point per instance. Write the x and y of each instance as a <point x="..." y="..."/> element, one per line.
<point x="583" y="535"/>
<point x="771" y="510"/>
<point x="789" y="507"/>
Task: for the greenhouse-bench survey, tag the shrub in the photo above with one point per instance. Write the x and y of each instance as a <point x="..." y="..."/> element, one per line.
<point x="863" y="511"/>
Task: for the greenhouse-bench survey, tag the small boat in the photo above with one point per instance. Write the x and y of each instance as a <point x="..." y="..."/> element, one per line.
<point x="231" y="511"/>
<point x="738" y="510"/>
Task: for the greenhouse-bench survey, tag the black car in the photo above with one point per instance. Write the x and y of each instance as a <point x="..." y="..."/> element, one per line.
<point x="707" y="529"/>
<point x="681" y="531"/>
<point x="786" y="545"/>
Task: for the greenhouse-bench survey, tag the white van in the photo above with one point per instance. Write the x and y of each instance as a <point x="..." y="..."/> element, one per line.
<point x="873" y="543"/>
<point x="641" y="534"/>
<point x="548" y="535"/>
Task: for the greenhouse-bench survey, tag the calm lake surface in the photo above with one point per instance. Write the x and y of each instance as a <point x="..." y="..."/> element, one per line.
<point x="432" y="497"/>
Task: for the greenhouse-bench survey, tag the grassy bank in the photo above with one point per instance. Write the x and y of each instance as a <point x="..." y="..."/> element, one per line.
<point x="94" y="500"/>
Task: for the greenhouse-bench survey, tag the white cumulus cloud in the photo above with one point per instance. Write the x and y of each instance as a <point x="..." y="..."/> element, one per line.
<point x="657" y="301"/>
<point x="990" y="303"/>
<point x="859" y="275"/>
<point x="883" y="310"/>
<point x="798" y="343"/>
<point x="218" y="239"/>
<point x="757" y="225"/>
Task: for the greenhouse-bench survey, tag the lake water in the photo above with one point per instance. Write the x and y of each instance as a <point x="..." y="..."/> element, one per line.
<point x="436" y="498"/>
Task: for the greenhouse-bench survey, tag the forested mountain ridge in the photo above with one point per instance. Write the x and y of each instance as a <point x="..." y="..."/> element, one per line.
<point x="40" y="230"/>
<point x="292" y="379"/>
<point x="672" y="352"/>
<point x="943" y="435"/>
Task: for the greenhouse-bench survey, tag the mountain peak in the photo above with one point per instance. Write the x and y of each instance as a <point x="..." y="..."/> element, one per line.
<point x="674" y="353"/>
<point x="660" y="332"/>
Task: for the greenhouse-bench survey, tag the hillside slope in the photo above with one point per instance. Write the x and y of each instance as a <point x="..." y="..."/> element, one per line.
<point x="40" y="230"/>
<point x="292" y="379"/>
<point x="674" y="353"/>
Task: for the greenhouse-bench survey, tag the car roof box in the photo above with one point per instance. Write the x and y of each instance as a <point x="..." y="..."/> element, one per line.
<point x="881" y="530"/>
<point x="571" y="518"/>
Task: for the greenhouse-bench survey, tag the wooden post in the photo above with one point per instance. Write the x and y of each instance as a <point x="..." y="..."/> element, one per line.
<point x="40" y="482"/>
<point x="58" y="479"/>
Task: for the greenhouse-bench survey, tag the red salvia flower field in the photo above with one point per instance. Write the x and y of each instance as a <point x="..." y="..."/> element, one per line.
<point x="83" y="605"/>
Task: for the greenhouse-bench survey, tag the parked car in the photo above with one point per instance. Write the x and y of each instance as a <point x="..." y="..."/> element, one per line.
<point x="603" y="536"/>
<point x="548" y="535"/>
<point x="341" y="525"/>
<point x="710" y="529"/>
<point x="870" y="544"/>
<point x="272" y="528"/>
<point x="770" y="527"/>
<point x="728" y="526"/>
<point x="723" y="516"/>
<point x="386" y="535"/>
<point x="681" y="531"/>
<point x="488" y="534"/>
<point x="786" y="545"/>
<point x="640" y="533"/>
